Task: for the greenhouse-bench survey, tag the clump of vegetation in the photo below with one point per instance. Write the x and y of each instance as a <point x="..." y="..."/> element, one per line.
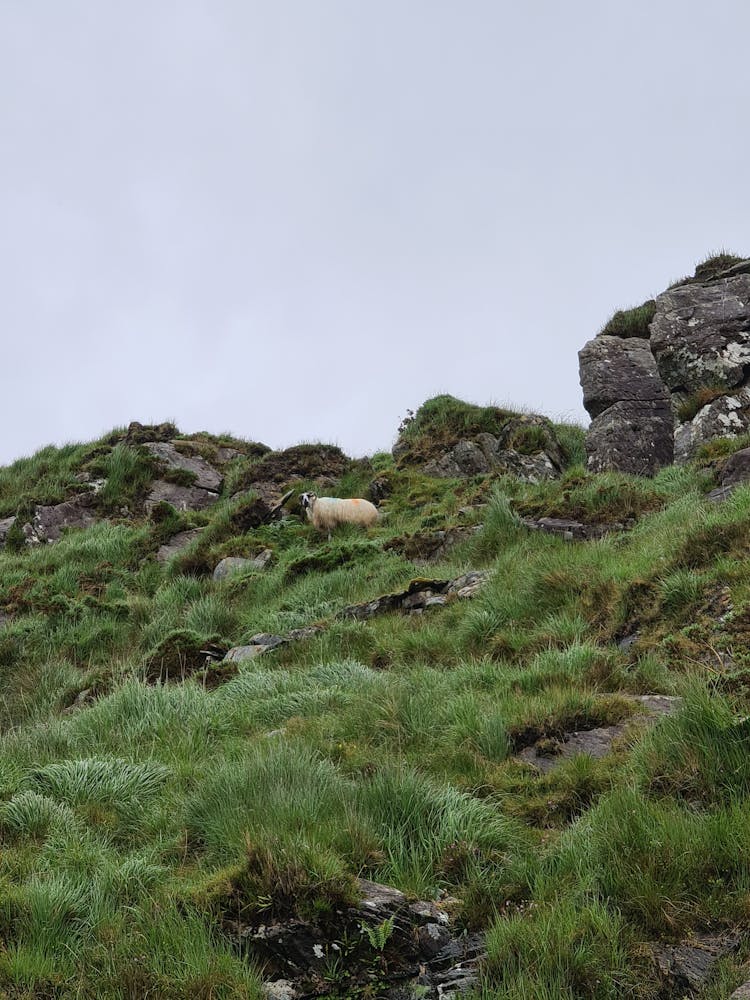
<point x="695" y="402"/>
<point x="443" y="421"/>
<point x="635" y="322"/>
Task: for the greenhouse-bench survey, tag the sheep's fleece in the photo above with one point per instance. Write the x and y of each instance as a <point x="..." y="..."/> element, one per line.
<point x="327" y="513"/>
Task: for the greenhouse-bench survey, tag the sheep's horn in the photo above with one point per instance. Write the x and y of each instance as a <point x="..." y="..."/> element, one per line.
<point x="274" y="512"/>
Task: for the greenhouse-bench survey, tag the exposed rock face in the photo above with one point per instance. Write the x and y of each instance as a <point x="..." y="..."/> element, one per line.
<point x="486" y="454"/>
<point x="180" y="497"/>
<point x="419" y="595"/>
<point x="632" y="427"/>
<point x="688" y="379"/>
<point x="205" y="476"/>
<point x="575" y="530"/>
<point x="232" y="565"/>
<point x="727" y="416"/>
<point x="48" y="522"/>
<point x="700" y="334"/>
<point x="686" y="967"/>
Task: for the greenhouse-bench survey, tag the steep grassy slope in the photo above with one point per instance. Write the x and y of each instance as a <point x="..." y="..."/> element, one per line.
<point x="135" y="814"/>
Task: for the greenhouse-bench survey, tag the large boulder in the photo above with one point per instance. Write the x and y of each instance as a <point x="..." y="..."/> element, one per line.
<point x="632" y="427"/>
<point x="686" y="376"/>
<point x="700" y="334"/>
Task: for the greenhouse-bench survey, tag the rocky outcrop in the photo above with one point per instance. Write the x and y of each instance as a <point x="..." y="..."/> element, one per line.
<point x="632" y="427"/>
<point x="419" y="596"/>
<point x="49" y="522"/>
<point x="687" y="379"/>
<point x="196" y="469"/>
<point x="575" y="530"/>
<point x="180" y="497"/>
<point x="487" y="453"/>
<point x="394" y="948"/>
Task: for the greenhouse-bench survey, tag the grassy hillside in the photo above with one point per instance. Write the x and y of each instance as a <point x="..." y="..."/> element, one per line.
<point x="147" y="798"/>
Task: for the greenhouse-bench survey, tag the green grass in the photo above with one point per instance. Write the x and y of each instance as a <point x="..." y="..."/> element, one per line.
<point x="633" y="322"/>
<point x="140" y="807"/>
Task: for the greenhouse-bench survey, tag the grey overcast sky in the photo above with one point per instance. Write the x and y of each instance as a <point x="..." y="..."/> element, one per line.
<point x="296" y="219"/>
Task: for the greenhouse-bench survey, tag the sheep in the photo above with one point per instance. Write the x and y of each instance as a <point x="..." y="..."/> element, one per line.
<point x="327" y="513"/>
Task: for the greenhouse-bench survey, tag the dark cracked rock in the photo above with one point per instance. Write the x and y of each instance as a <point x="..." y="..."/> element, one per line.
<point x="686" y="967"/>
<point x="419" y="595"/>
<point x="613" y="370"/>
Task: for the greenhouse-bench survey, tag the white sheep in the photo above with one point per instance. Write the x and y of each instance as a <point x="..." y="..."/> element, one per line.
<point x="327" y="513"/>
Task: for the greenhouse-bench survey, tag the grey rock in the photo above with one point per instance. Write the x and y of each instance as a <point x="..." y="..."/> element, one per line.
<point x="225" y="455"/>
<point x="686" y="967"/>
<point x="468" y="584"/>
<point x="700" y="335"/>
<point x="177" y="543"/>
<point x="465" y="459"/>
<point x="180" y="497"/>
<point x="528" y="468"/>
<point x="267" y="639"/>
<point x="48" y="523"/>
<point x="727" y="416"/>
<point x="626" y="644"/>
<point x="5" y="525"/>
<point x="613" y="370"/>
<point x="232" y="565"/>
<point x="631" y="436"/>
<point x="280" y="989"/>
<point x="632" y="425"/>
<point x="742" y="992"/>
<point x="239" y="653"/>
<point x="206" y="477"/>
<point x="432" y="938"/>
<point x="735" y="472"/>
<point x="720" y="494"/>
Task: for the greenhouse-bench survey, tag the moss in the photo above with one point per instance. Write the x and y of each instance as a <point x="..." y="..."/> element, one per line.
<point x="331" y="557"/>
<point x="634" y="322"/>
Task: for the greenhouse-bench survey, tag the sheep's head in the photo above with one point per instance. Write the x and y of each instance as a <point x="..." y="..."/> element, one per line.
<point x="307" y="500"/>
